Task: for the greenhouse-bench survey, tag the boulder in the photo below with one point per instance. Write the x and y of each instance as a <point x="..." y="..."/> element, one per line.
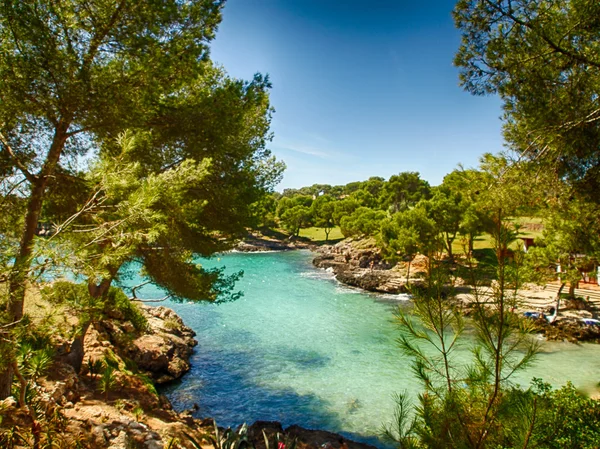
<point x="165" y="352"/>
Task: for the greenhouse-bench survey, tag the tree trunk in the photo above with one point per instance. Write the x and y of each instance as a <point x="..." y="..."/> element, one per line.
<point x="76" y="352"/>
<point x="557" y="306"/>
<point x="20" y="271"/>
<point x="471" y="244"/>
<point x="327" y="231"/>
<point x="572" y="286"/>
<point x="449" y="248"/>
<point x="6" y="378"/>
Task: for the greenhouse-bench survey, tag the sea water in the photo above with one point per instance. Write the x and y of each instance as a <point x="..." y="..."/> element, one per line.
<point x="301" y="348"/>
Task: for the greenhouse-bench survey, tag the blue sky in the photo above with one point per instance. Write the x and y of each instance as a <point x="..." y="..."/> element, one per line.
<point x="360" y="88"/>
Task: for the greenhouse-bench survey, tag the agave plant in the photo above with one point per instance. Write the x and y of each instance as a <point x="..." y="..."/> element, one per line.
<point x="229" y="439"/>
<point x="281" y="442"/>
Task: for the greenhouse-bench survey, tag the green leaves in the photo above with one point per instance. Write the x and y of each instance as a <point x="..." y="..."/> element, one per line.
<point x="362" y="222"/>
<point x="541" y="57"/>
<point x="410" y="232"/>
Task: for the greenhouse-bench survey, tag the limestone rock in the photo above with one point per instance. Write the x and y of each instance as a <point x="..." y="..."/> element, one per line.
<point x="165" y="352"/>
<point x="359" y="263"/>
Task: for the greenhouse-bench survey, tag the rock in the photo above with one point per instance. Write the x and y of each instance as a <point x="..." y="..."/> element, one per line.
<point x="359" y="263"/>
<point x="122" y="441"/>
<point x="569" y="329"/>
<point x="381" y="281"/>
<point x="574" y="304"/>
<point x="270" y="428"/>
<point x="98" y="436"/>
<point x="153" y="444"/>
<point x="316" y="438"/>
<point x="256" y="242"/>
<point x="164" y="355"/>
<point x="163" y="352"/>
<point x="306" y="438"/>
<point x="151" y="353"/>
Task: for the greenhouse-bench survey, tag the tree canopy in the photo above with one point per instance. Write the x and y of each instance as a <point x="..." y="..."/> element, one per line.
<point x="75" y="75"/>
<point x="543" y="59"/>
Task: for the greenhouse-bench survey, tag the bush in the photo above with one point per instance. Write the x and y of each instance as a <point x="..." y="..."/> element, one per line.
<point x="566" y="418"/>
<point x="89" y="308"/>
<point x="116" y="299"/>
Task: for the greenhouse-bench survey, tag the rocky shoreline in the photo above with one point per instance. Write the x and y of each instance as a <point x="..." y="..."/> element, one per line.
<point x="162" y="353"/>
<point x="258" y="242"/>
<point x="130" y="414"/>
<point x="358" y="263"/>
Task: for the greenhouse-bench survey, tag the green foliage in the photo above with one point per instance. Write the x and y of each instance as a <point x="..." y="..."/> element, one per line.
<point x="35" y="363"/>
<point x="374" y="185"/>
<point x="295" y="218"/>
<point x="344" y="208"/>
<point x="289" y="202"/>
<point x="446" y="209"/>
<point x="466" y="406"/>
<point x="365" y="199"/>
<point x="156" y="218"/>
<point x="264" y="212"/>
<point x="571" y="238"/>
<point x="323" y="209"/>
<point x="363" y="221"/>
<point x="138" y="413"/>
<point x="404" y="190"/>
<point x="229" y="439"/>
<point x="408" y="233"/>
<point x="116" y="299"/>
<point x="89" y="308"/>
<point x="542" y="58"/>
<point x="108" y="379"/>
<point x="566" y="418"/>
<point x="73" y="78"/>
<point x="403" y="428"/>
<point x="120" y="404"/>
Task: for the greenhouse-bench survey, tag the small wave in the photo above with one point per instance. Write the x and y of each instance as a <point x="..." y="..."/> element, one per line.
<point x="393" y="296"/>
<point x="341" y="288"/>
<point x="261" y="251"/>
<point x="317" y="275"/>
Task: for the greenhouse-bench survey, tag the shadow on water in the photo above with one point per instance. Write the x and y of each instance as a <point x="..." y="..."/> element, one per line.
<point x="305" y="359"/>
<point x="222" y="384"/>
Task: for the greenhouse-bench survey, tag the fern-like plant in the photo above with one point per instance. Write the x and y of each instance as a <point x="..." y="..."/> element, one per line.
<point x="107" y="380"/>
<point x="94" y="367"/>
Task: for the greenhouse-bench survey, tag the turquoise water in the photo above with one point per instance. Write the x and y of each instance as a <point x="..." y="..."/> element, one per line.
<point x="302" y="349"/>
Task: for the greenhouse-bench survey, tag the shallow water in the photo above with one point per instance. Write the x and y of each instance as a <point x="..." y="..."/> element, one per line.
<point x="300" y="348"/>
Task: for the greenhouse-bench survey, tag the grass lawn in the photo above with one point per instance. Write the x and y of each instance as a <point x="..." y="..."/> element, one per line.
<point x="484" y="241"/>
<point x="528" y="223"/>
<point x="317" y="235"/>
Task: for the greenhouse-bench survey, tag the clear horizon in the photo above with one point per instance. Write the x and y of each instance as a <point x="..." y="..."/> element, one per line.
<point x="360" y="92"/>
